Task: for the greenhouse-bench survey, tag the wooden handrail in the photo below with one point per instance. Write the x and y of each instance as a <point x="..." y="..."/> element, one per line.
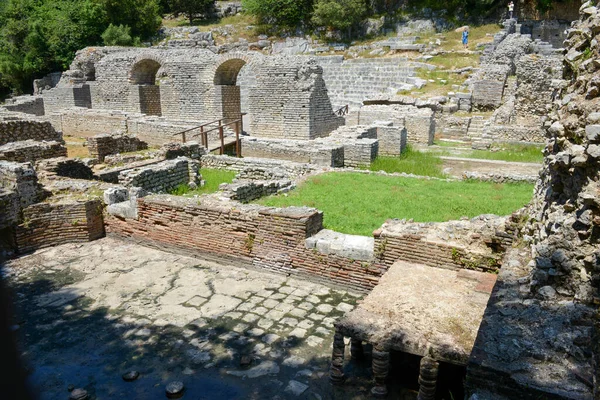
<point x="342" y="110"/>
<point x="239" y="128"/>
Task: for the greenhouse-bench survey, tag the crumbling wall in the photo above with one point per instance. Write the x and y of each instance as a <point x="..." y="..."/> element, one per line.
<point x="26" y="104"/>
<point x="31" y="151"/>
<point x="52" y="224"/>
<point x="543" y="313"/>
<point x="21" y="179"/>
<point x="64" y="167"/>
<point x="100" y="146"/>
<point x="163" y="176"/>
<point x="260" y="164"/>
<point x="16" y="128"/>
<point x="535" y="91"/>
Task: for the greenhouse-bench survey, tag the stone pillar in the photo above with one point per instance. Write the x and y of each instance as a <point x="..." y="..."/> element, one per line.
<point x="381" y="367"/>
<point x="356" y="349"/>
<point x="428" y="378"/>
<point x="336" y="372"/>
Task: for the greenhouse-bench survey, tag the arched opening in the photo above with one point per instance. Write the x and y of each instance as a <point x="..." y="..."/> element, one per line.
<point x="228" y="94"/>
<point x="146" y="91"/>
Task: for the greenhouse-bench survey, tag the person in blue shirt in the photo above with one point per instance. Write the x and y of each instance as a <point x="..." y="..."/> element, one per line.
<point x="465" y="37"/>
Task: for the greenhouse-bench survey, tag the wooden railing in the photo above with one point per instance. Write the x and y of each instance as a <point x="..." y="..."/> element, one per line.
<point x="239" y="128"/>
<point x="342" y="111"/>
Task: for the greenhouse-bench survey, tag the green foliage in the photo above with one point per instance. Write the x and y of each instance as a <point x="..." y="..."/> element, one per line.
<point x="357" y="203"/>
<point x="339" y="14"/>
<point x="118" y="36"/>
<point x="279" y="13"/>
<point x="41" y="36"/>
<point x="410" y="162"/>
<point x="191" y="8"/>
<point x="143" y="16"/>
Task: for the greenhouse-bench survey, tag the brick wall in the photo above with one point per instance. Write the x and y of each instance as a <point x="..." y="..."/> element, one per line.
<point x="47" y="224"/>
<point x="26" y="104"/>
<point x="150" y="102"/>
<point x="269" y="238"/>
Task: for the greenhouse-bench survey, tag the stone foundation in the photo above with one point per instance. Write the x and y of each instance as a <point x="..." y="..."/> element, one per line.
<point x="163" y="176"/>
<point x="100" y="146"/>
<point x="31" y="151"/>
<point x="248" y="163"/>
<point x="419" y="122"/>
<point x="311" y="152"/>
<point x="16" y="128"/>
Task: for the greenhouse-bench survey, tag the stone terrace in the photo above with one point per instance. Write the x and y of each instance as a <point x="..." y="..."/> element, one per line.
<point x="121" y="306"/>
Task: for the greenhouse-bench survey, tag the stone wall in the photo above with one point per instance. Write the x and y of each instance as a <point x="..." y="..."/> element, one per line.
<point x="240" y="164"/>
<point x="163" y="176"/>
<point x="311" y="152"/>
<point x="25" y="104"/>
<point x="100" y="146"/>
<point x="535" y="91"/>
<point x="392" y="139"/>
<point x="353" y="81"/>
<point x="31" y="151"/>
<point x="542" y="315"/>
<point x="288" y="97"/>
<point x="419" y="122"/>
<point x="246" y="191"/>
<point x="88" y="123"/>
<point x="264" y="237"/>
<point x="514" y="133"/>
<point x="16" y="128"/>
<point x="476" y="244"/>
<point x="52" y="224"/>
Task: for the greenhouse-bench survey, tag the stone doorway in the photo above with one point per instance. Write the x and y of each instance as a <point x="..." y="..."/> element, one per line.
<point x="146" y="92"/>
<point x="228" y="101"/>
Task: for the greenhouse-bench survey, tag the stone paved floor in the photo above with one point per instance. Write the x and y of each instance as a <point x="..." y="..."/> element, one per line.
<point x="87" y="313"/>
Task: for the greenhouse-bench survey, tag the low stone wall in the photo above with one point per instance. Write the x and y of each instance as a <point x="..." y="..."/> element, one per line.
<point x="456" y="245"/>
<point x="31" y="151"/>
<point x="100" y="146"/>
<point x="513" y="133"/>
<point x="52" y="224"/>
<point x="14" y="129"/>
<point x="264" y="237"/>
<point x="163" y="176"/>
<point x="312" y="152"/>
<point x="240" y="164"/>
<point x="26" y="104"/>
<point x="150" y="129"/>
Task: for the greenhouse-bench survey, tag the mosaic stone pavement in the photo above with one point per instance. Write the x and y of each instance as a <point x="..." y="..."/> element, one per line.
<point x="88" y="313"/>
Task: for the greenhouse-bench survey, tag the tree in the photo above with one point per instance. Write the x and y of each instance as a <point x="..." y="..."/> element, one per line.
<point x="281" y="13"/>
<point x="143" y="16"/>
<point x="119" y="35"/>
<point x="191" y="8"/>
<point x="339" y="14"/>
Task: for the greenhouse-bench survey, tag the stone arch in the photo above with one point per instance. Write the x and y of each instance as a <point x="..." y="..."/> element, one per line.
<point x="146" y="92"/>
<point x="228" y="102"/>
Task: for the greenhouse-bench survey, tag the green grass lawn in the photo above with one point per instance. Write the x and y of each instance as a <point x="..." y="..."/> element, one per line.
<point x="411" y="162"/>
<point x="507" y="152"/>
<point x="213" y="178"/>
<point x="358" y="204"/>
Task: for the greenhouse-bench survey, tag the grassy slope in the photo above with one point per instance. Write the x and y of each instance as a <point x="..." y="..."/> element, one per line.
<point x="358" y="203"/>
<point x="508" y="152"/>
